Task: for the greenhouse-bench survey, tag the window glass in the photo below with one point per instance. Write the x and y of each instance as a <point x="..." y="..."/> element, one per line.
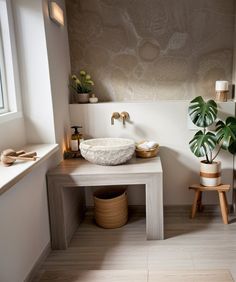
<point x="3" y="94"/>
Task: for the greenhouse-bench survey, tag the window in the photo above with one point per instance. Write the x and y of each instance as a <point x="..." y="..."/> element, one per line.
<point x="3" y="91"/>
<point x="10" y="104"/>
<point x="2" y="106"/>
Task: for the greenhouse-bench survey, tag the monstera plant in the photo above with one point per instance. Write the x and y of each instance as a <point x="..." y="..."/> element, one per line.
<point x="207" y="142"/>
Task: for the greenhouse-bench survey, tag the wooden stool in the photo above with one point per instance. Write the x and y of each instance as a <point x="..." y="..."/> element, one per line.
<point x="197" y="202"/>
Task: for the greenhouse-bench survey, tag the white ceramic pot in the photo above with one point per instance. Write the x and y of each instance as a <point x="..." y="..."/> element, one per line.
<point x="210" y="174"/>
<point x="82" y="98"/>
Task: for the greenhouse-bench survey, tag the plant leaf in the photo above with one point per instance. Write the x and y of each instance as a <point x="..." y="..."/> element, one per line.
<point x="202" y="143"/>
<point x="226" y="134"/>
<point x="232" y="148"/>
<point x="202" y="113"/>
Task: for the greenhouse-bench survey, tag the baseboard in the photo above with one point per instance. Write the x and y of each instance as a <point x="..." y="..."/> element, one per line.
<point x="214" y="209"/>
<point x="133" y="208"/>
<point x="167" y="208"/>
<point x="46" y="251"/>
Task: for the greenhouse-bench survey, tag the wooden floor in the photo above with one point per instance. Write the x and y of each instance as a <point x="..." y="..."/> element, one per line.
<point x="202" y="249"/>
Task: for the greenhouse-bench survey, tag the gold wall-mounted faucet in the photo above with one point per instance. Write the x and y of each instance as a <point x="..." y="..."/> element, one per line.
<point x="125" y="117"/>
<point x="115" y="115"/>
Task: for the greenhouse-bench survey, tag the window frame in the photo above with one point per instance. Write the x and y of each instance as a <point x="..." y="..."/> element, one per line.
<point x="13" y="108"/>
<point x="3" y="79"/>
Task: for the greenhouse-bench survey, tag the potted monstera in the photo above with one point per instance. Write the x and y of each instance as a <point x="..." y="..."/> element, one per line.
<point x="207" y="143"/>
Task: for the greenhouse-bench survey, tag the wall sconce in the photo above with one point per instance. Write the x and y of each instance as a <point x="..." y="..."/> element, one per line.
<point x="56" y="13"/>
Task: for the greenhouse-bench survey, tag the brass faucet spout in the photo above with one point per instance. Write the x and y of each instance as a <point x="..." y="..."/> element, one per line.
<point x="125" y="117"/>
<point x="115" y="115"/>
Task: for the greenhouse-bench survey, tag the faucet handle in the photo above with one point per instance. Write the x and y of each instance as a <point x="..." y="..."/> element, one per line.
<point x="125" y="116"/>
<point x="115" y="115"/>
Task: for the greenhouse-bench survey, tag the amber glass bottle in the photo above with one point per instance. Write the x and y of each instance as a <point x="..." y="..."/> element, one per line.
<point x="75" y="139"/>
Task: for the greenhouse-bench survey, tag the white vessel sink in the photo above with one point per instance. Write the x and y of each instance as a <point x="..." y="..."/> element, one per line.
<point x="107" y="151"/>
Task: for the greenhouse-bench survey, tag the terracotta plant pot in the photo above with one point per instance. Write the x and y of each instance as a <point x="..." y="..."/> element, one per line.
<point x="210" y="174"/>
<point x="82" y="98"/>
<point x="111" y="207"/>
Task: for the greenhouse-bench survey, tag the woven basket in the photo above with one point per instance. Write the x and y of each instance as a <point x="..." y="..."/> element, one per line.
<point x="111" y="207"/>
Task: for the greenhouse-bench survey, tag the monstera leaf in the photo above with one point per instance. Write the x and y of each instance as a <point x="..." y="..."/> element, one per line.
<point x="202" y="143"/>
<point x="202" y="113"/>
<point x="226" y="134"/>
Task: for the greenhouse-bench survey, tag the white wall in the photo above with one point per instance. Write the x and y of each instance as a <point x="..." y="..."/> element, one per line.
<point x="34" y="71"/>
<point x="59" y="69"/>
<point x="44" y="67"/>
<point x="12" y="133"/>
<point x="165" y="122"/>
<point x="24" y="224"/>
<point x="234" y="83"/>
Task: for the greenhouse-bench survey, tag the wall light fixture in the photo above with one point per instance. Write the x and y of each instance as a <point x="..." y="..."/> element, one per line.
<point x="56" y="13"/>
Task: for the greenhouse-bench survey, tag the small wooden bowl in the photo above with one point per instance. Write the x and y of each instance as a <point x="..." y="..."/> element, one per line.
<point x="151" y="153"/>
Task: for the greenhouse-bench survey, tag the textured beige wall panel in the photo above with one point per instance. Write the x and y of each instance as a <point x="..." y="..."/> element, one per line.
<point x="152" y="49"/>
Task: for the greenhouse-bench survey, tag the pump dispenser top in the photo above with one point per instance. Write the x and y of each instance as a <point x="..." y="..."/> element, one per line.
<point x="76" y="129"/>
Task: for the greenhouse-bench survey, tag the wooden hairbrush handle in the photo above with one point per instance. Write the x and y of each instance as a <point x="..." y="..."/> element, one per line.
<point x="23" y="158"/>
<point x="18" y="153"/>
<point x="29" y="154"/>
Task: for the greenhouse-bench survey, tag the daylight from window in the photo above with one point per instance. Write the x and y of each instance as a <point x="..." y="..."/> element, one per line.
<point x="1" y="94"/>
<point x="2" y="81"/>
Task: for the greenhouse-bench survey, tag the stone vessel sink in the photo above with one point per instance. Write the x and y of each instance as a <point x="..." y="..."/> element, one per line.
<point x="107" y="151"/>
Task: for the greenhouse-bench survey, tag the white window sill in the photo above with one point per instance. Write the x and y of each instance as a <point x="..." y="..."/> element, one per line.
<point x="10" y="116"/>
<point x="12" y="174"/>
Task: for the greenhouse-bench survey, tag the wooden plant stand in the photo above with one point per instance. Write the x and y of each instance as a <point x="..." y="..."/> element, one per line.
<point x="197" y="202"/>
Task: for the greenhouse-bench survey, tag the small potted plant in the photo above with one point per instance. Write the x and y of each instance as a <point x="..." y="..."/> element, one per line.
<point x="207" y="143"/>
<point x="82" y="86"/>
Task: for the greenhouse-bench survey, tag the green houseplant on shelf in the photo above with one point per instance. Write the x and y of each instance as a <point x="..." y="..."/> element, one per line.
<point x="208" y="142"/>
<point x="82" y="86"/>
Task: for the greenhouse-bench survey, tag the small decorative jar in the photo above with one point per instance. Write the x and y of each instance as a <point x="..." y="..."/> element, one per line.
<point x="93" y="99"/>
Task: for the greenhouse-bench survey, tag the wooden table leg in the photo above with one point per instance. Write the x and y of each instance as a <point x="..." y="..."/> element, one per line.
<point x="57" y="219"/>
<point x="199" y="202"/>
<point x="154" y="209"/>
<point x="195" y="202"/>
<point x="223" y="207"/>
<point x="226" y="203"/>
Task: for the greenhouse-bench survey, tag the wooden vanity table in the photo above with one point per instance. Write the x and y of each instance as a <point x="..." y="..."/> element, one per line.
<point x="74" y="175"/>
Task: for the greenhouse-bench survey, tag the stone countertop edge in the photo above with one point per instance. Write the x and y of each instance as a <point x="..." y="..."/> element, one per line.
<point x="10" y="175"/>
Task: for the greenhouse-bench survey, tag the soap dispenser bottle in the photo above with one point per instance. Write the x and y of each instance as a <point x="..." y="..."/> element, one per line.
<point x="75" y="139"/>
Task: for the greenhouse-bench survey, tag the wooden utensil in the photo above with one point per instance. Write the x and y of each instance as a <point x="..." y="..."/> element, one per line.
<point x="9" y="156"/>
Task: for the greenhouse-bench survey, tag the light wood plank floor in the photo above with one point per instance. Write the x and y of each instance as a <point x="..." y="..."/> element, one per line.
<point x="202" y="249"/>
